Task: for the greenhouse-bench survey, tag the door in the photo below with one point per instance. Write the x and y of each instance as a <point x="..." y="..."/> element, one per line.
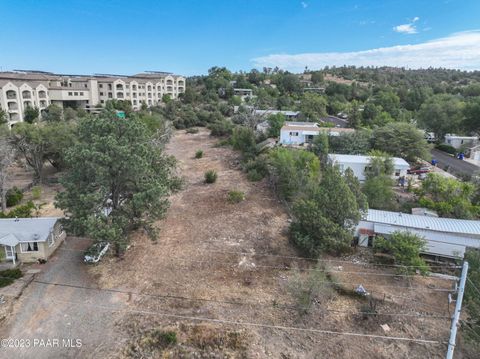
<point x="10" y="252"/>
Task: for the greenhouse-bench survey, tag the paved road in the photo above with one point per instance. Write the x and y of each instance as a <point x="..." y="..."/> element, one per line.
<point x="60" y="312"/>
<point x="456" y="166"/>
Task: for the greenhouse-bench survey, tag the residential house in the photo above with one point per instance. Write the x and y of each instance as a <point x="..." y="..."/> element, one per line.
<point x="461" y="142"/>
<point x="30" y="239"/>
<point x="358" y="164"/>
<point x="243" y="93"/>
<point x="299" y="133"/>
<point x="445" y="237"/>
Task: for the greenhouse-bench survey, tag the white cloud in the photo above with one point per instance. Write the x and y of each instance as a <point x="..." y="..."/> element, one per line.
<point x="457" y="51"/>
<point x="409" y="28"/>
<point x="304" y="4"/>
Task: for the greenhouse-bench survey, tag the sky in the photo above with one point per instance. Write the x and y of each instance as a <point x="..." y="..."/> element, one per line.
<point x="189" y="36"/>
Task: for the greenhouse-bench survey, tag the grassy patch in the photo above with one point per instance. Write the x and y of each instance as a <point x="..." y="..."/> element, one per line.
<point x="199" y="154"/>
<point x="236" y="196"/>
<point x="8" y="276"/>
<point x="211" y="176"/>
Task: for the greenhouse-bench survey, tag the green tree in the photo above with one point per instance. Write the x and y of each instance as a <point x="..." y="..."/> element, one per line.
<point x="472" y="115"/>
<point x="275" y="122"/>
<point x="69" y="114"/>
<point x="471" y="329"/>
<point x="355" y="143"/>
<point x="317" y="77"/>
<point x="31" y="114"/>
<point x="405" y="247"/>
<point x="292" y="171"/>
<point x="378" y="184"/>
<point x="243" y="140"/>
<point x="356" y="188"/>
<point x="313" y="106"/>
<point x="389" y="101"/>
<point x="53" y="113"/>
<point x="449" y="197"/>
<point x="320" y="146"/>
<point x="117" y="180"/>
<point x="401" y="139"/>
<point x="441" y="114"/>
<point x="324" y="220"/>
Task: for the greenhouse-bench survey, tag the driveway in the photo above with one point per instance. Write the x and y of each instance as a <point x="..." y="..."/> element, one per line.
<point x="64" y="314"/>
<point x="456" y="166"/>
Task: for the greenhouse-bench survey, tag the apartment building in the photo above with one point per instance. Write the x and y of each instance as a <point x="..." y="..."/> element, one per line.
<point x="21" y="89"/>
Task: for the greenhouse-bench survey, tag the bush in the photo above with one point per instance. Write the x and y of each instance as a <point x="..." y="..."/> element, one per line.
<point x="14" y="196"/>
<point x="221" y="128"/>
<point x="243" y="140"/>
<point x="211" y="176"/>
<point x="256" y="169"/>
<point x="236" y="196"/>
<point x="160" y="339"/>
<point x="23" y="211"/>
<point x="36" y="192"/>
<point x="192" y="130"/>
<point x="405" y="247"/>
<point x="446" y="148"/>
<point x="199" y="154"/>
<point x="8" y="276"/>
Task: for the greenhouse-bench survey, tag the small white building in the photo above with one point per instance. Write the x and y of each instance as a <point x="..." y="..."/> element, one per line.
<point x="445" y="237"/>
<point x="358" y="164"/>
<point x="460" y="141"/>
<point x="243" y="93"/>
<point x="298" y="133"/>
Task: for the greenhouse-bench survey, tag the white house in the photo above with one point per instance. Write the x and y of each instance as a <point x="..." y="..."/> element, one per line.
<point x="359" y="163"/>
<point x="298" y="133"/>
<point x="445" y="237"/>
<point x="460" y="141"/>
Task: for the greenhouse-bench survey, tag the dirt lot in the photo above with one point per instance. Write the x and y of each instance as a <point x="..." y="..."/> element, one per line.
<point x="196" y="269"/>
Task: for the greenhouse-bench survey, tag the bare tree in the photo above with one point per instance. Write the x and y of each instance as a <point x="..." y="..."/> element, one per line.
<point x="7" y="156"/>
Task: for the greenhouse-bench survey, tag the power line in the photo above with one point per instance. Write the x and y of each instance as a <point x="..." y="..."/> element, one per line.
<point x="273" y="305"/>
<point x="259" y="325"/>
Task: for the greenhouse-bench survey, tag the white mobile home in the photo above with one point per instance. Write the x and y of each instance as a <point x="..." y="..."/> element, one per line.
<point x="446" y="237"/>
<point x="298" y="133"/>
<point x="358" y="164"/>
<point x="460" y="141"/>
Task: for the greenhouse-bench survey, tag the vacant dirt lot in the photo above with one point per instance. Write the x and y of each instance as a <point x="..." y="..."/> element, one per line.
<point x="216" y="264"/>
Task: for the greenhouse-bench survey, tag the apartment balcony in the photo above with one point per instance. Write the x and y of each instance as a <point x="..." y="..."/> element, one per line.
<point x="119" y="87"/>
<point x="181" y="89"/>
<point x="26" y="94"/>
<point x="169" y="82"/>
<point x="11" y="95"/>
<point x="12" y="106"/>
<point x="120" y="95"/>
<point x="181" y="83"/>
<point x="27" y="104"/>
<point x="42" y="94"/>
<point x="169" y="89"/>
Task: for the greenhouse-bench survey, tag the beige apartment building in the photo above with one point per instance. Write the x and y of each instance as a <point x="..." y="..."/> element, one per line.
<point x="21" y="89"/>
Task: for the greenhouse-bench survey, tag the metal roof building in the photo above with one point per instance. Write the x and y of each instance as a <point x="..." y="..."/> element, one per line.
<point x="446" y="237"/>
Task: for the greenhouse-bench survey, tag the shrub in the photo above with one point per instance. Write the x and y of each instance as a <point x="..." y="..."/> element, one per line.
<point x="36" y="192"/>
<point x="14" y="196"/>
<point x="221" y="128"/>
<point x="405" y="247"/>
<point x="23" y="211"/>
<point x="243" y="140"/>
<point x="236" y="196"/>
<point x="446" y="148"/>
<point x="192" y="130"/>
<point x="256" y="169"/>
<point x="211" y="176"/>
<point x="199" y="154"/>
<point x="160" y="339"/>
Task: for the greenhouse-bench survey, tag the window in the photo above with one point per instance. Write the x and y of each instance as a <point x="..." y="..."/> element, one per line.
<point x="397" y="172"/>
<point x="101" y="93"/>
<point x="102" y="101"/>
<point x="100" y="86"/>
<point x="29" y="247"/>
<point x="75" y="93"/>
<point x="70" y="93"/>
<point x="110" y="95"/>
<point x="81" y="93"/>
<point x="293" y="133"/>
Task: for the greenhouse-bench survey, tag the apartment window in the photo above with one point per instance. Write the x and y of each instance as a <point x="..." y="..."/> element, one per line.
<point x="110" y="95"/>
<point x="81" y="93"/>
<point x="102" y="101"/>
<point x="100" y="86"/>
<point x="75" y="93"/>
<point x="70" y="94"/>
<point x="29" y="247"/>
<point x="109" y="86"/>
<point x="293" y="133"/>
<point x="85" y="85"/>
<point x="101" y="93"/>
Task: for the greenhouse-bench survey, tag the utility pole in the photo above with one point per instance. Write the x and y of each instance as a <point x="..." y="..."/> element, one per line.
<point x="456" y="314"/>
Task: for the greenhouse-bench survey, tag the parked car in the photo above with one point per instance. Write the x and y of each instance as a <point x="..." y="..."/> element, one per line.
<point x="418" y="170"/>
<point x="95" y="252"/>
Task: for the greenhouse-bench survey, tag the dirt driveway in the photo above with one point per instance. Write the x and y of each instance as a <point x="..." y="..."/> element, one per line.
<point x="47" y="312"/>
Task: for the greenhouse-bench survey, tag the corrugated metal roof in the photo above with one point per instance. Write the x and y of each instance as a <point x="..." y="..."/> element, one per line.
<point x="449" y="225"/>
<point x="362" y="159"/>
<point x="27" y="229"/>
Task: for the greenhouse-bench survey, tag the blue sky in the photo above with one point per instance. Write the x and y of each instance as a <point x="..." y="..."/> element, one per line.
<point x="190" y="36"/>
